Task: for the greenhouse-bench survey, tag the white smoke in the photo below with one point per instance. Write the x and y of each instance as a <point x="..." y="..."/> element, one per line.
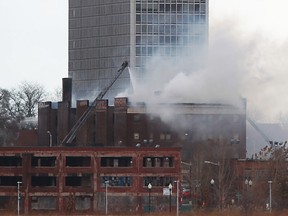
<point x="234" y="66"/>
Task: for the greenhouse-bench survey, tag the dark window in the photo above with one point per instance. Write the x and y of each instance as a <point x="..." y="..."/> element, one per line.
<point x="10" y="180"/>
<point x="157" y="181"/>
<point x="116" y="161"/>
<point x="138" y="18"/>
<point x="43" y="161"/>
<point x="197" y="8"/>
<point x="78" y="161"/>
<point x="74" y="180"/>
<point x="10" y="161"/>
<point x="162" y="7"/>
<point x="43" y="181"/>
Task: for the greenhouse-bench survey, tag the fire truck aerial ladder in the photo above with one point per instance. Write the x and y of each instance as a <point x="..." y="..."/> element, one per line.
<point x="72" y="133"/>
<point x="266" y="138"/>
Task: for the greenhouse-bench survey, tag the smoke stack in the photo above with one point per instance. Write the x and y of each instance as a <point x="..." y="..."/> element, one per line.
<point x="66" y="89"/>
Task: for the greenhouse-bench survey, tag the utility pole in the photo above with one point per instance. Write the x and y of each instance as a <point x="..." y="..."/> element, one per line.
<point x="18" y="197"/>
<point x="270" y="196"/>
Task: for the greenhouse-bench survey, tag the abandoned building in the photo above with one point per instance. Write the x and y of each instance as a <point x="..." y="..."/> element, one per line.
<point x="129" y="124"/>
<point x="120" y="148"/>
<point x="65" y="179"/>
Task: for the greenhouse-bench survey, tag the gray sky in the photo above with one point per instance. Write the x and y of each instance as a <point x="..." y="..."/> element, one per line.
<point x="34" y="46"/>
<point x="34" y="42"/>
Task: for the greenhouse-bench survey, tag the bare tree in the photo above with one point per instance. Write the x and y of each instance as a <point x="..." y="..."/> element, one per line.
<point x="277" y="155"/>
<point x="15" y="106"/>
<point x="280" y="179"/>
<point x="212" y="173"/>
<point x="26" y="98"/>
<point x="4" y="104"/>
<point x="55" y="95"/>
<point x="8" y="121"/>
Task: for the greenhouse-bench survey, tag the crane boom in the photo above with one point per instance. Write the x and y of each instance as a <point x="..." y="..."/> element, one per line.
<point x="72" y="133"/>
<point x="259" y="131"/>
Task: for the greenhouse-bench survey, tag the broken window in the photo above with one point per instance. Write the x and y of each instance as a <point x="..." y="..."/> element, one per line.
<point x="78" y="161"/>
<point x="76" y="180"/>
<point x="116" y="161"/>
<point x="116" y="181"/>
<point x="82" y="203"/>
<point x="158" y="162"/>
<point x="157" y="181"/>
<point x="43" y="203"/>
<point x="7" y="202"/>
<point x="10" y="180"/>
<point x="43" y="181"/>
<point x="43" y="161"/>
<point x="147" y="162"/>
<point x="168" y="162"/>
<point x="10" y="161"/>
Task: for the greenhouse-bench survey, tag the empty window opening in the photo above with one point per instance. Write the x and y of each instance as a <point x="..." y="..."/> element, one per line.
<point x="43" y="203"/>
<point x="116" y="181"/>
<point x="43" y="181"/>
<point x="116" y="161"/>
<point x="10" y="180"/>
<point x="72" y="161"/>
<point x="165" y="136"/>
<point x="158" y="162"/>
<point x="10" y="161"/>
<point x="43" y="161"/>
<point x="82" y="203"/>
<point x="157" y="181"/>
<point x="74" y="180"/>
<point x="7" y="202"/>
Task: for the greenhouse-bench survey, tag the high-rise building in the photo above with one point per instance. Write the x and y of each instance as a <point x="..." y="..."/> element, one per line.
<point x="104" y="33"/>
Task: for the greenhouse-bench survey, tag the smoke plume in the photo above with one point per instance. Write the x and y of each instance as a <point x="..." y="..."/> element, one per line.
<point x="233" y="66"/>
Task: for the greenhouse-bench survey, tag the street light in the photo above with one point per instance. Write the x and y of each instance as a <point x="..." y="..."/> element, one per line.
<point x="149" y="189"/>
<point x="177" y="196"/>
<point x="212" y="191"/>
<point x="248" y="183"/>
<point x="220" y="186"/>
<point x="106" y="198"/>
<point x="212" y="182"/>
<point x="170" y="193"/>
<point x="213" y="163"/>
<point x="270" y="195"/>
<point x="18" y="197"/>
<point x="50" y="138"/>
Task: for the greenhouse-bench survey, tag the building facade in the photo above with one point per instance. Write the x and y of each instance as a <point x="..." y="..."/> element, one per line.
<point x="78" y="179"/>
<point x="102" y="34"/>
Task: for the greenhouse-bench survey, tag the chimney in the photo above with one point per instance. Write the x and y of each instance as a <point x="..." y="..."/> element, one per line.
<point x="66" y="89"/>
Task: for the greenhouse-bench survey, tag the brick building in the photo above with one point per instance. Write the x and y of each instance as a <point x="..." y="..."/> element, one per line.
<point x="74" y="179"/>
<point x="128" y="123"/>
<point x="127" y="144"/>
